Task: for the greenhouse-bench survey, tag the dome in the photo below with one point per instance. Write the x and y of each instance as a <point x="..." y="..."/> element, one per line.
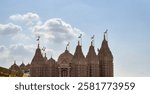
<point x="66" y="56"/>
<point x="15" y="67"/>
<point x="50" y="61"/>
<point x="27" y="67"/>
<point x="22" y="66"/>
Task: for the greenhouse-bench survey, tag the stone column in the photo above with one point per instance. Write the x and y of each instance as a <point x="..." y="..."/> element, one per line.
<point x="59" y="69"/>
<point x="68" y="72"/>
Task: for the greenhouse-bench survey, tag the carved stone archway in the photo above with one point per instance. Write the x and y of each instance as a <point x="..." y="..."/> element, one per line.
<point x="64" y="69"/>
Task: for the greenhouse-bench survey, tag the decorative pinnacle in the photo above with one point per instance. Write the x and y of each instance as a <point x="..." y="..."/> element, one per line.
<point x="38" y="40"/>
<point x="92" y="40"/>
<point x="78" y="42"/>
<point x="43" y="49"/>
<point x="80" y="39"/>
<point x="105" y="33"/>
<point x="38" y="45"/>
<point x="67" y="45"/>
<point x="45" y="54"/>
<point x="14" y="61"/>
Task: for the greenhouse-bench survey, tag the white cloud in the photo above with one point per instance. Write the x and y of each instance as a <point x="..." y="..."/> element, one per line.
<point x="57" y="31"/>
<point x="18" y="52"/>
<point x="9" y="29"/>
<point x="21" y="37"/>
<point x="4" y="52"/>
<point x="55" y="34"/>
<point x="5" y="57"/>
<point x="2" y="48"/>
<point x="29" y="18"/>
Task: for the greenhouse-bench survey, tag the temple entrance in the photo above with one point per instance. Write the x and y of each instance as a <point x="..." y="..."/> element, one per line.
<point x="64" y="69"/>
<point x="64" y="72"/>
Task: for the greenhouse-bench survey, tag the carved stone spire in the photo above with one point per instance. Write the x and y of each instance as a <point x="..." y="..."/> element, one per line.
<point x="105" y="59"/>
<point x="104" y="50"/>
<point x="79" y="64"/>
<point x="91" y="53"/>
<point x="15" y="67"/>
<point x="78" y="52"/>
<point x="38" y="58"/>
<point x="93" y="64"/>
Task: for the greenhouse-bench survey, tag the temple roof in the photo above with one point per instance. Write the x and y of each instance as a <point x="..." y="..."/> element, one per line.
<point x="104" y="50"/>
<point x="50" y="61"/>
<point x="78" y="52"/>
<point x="91" y="56"/>
<point x="22" y="65"/>
<point x="78" y="55"/>
<point x="15" y="67"/>
<point x="67" y="56"/>
<point x="38" y="58"/>
<point x="27" y="67"/>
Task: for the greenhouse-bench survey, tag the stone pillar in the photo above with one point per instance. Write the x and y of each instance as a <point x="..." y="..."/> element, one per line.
<point x="59" y="69"/>
<point x="68" y="72"/>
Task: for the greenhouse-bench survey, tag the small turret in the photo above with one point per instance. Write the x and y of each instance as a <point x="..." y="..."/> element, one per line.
<point x="45" y="57"/>
<point x="22" y="66"/>
<point x="15" y="67"/>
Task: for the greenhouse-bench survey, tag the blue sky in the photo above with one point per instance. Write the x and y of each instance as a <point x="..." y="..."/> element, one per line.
<point x="127" y="21"/>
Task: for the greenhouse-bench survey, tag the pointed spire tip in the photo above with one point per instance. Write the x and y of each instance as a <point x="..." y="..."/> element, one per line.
<point x="38" y="45"/>
<point x="105" y="33"/>
<point x="78" y="42"/>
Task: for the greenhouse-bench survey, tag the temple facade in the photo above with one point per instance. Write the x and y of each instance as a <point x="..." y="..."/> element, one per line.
<point x="73" y="65"/>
